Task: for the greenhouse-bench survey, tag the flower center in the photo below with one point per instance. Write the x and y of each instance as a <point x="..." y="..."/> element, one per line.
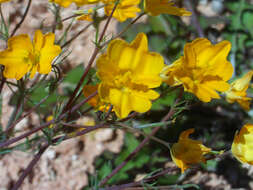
<point x="123" y="80"/>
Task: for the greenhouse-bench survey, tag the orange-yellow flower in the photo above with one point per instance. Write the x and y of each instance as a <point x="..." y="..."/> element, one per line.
<point x="63" y="3"/>
<point x="96" y="101"/>
<point x="87" y="16"/>
<point x="128" y="72"/>
<point x="23" y="55"/>
<point x="242" y="147"/>
<point x="157" y="7"/>
<point x="187" y="152"/>
<point x="50" y="118"/>
<point x="66" y="3"/>
<point x="203" y="70"/>
<point x="2" y="1"/>
<point x="237" y="91"/>
<point x="124" y="10"/>
<point x="85" y="2"/>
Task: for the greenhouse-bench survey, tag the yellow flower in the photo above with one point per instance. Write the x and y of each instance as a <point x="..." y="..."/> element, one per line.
<point x="242" y="147"/>
<point x="127" y="73"/>
<point x="23" y="56"/>
<point x="202" y="70"/>
<point x="96" y="101"/>
<point x="124" y="10"/>
<point x="66" y="3"/>
<point x="85" y="2"/>
<point x="157" y="7"/>
<point x="186" y="151"/>
<point x="50" y="118"/>
<point x="86" y="16"/>
<point x="237" y="91"/>
<point x="63" y="3"/>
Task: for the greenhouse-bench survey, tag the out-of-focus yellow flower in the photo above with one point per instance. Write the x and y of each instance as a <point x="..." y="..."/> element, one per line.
<point x="85" y="2"/>
<point x="2" y="1"/>
<point x="237" y="91"/>
<point x="124" y="10"/>
<point x="84" y="121"/>
<point x="127" y="73"/>
<point x="96" y="101"/>
<point x="157" y="7"/>
<point x="23" y="55"/>
<point x="66" y="3"/>
<point x="86" y="16"/>
<point x="242" y="147"/>
<point x="63" y="3"/>
<point x="187" y="152"/>
<point x="50" y="118"/>
<point x="203" y="70"/>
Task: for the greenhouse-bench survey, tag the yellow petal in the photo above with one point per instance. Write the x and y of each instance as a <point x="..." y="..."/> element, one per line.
<point x="48" y="52"/>
<point x="2" y="1"/>
<point x="20" y="42"/>
<point x="124" y="10"/>
<point x="128" y="56"/>
<point x="242" y="147"/>
<point x="63" y="3"/>
<point x="38" y="40"/>
<point x="85" y="2"/>
<point x="243" y="82"/>
<point x="156" y="7"/>
<point x="185" y="134"/>
<point x="16" y="58"/>
<point x="205" y="94"/>
<point x="135" y="57"/>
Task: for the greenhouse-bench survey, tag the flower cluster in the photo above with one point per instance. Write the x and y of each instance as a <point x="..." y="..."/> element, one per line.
<point x="129" y="73"/>
<point x="129" y="8"/>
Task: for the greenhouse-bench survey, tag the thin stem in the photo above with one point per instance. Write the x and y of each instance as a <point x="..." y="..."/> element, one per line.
<point x="132" y="115"/>
<point x="43" y="149"/>
<point x="108" y="112"/>
<point x="24" y="116"/>
<point x="22" y="19"/>
<point x="15" y="139"/>
<point x="125" y="29"/>
<point x="141" y="145"/>
<point x="3" y="80"/>
<point x="57" y="11"/>
<point x="78" y="34"/>
<point x="3" y="20"/>
<point x="29" y="168"/>
<point x="145" y="180"/>
<point x="195" y="21"/>
<point x="20" y="103"/>
<point x="79" y="133"/>
<point x="75" y="125"/>
<point x="167" y="145"/>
